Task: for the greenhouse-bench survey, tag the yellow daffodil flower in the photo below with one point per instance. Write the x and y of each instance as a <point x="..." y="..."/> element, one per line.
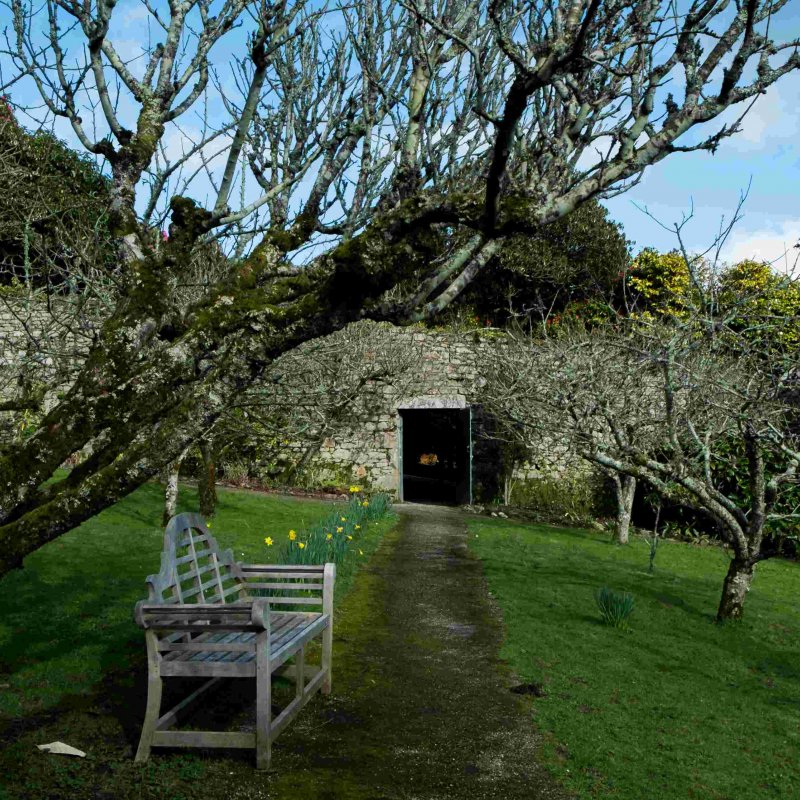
<point x="365" y="503"/>
<point x="292" y="535"/>
<point x="358" y="527"/>
<point x="354" y="489"/>
<point x="339" y="530"/>
<point x="361" y="552"/>
<point x="301" y="545"/>
<point x="343" y="519"/>
<point x="329" y="536"/>
<point x="268" y="541"/>
<point x="349" y="537"/>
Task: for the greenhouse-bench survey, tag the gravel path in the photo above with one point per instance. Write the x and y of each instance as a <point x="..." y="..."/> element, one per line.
<point x="421" y="706"/>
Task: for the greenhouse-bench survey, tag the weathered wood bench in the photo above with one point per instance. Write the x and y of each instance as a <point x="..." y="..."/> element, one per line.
<point x="202" y="618"/>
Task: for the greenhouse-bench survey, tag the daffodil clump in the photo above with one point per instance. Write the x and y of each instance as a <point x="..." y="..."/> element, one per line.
<point x="336" y="537"/>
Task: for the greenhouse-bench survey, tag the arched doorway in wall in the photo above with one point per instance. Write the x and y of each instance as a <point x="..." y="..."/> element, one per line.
<point x="435" y="458"/>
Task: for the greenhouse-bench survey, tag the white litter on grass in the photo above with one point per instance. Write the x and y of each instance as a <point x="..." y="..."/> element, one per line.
<point x="61" y="749"/>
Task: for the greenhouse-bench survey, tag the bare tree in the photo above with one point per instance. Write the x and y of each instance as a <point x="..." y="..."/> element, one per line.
<point x="695" y="406"/>
<point x="354" y="138"/>
<point x="522" y="388"/>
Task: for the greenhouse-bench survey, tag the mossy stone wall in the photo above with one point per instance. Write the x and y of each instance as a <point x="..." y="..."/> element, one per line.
<point x="366" y="452"/>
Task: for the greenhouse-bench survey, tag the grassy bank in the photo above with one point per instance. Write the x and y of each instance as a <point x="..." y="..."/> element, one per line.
<point x="72" y="665"/>
<point x="678" y="707"/>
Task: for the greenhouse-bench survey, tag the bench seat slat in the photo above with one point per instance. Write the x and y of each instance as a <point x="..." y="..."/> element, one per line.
<point x="282" y="653"/>
<point x="210" y="641"/>
<point x="240" y="647"/>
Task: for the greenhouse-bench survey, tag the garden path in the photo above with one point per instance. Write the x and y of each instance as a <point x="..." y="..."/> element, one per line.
<point x="421" y="706"/>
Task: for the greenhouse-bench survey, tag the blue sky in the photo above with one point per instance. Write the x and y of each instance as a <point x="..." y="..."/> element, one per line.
<point x="765" y="155"/>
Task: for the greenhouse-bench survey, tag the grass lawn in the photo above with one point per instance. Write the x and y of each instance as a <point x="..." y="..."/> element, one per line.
<point x="72" y="661"/>
<point x="678" y="707"/>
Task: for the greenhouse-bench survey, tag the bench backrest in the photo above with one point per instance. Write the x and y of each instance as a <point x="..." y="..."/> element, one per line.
<point x="193" y="568"/>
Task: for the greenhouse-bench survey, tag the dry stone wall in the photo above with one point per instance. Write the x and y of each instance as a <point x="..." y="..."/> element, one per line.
<point x="42" y="342"/>
<point x="46" y="344"/>
<point x="447" y="375"/>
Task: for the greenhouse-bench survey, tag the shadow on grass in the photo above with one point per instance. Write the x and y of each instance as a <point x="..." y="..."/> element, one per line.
<point x="656" y="594"/>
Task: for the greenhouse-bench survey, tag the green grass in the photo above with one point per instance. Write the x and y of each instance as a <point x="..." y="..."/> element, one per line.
<point x="677" y="707"/>
<point x="71" y="658"/>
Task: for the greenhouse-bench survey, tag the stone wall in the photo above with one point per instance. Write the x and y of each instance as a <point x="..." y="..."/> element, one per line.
<point x="448" y="375"/>
<point x="42" y="342"/>
<point x="445" y="372"/>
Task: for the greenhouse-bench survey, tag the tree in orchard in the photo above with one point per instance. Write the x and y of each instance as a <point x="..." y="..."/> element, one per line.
<point x="338" y="148"/>
<point x="696" y="398"/>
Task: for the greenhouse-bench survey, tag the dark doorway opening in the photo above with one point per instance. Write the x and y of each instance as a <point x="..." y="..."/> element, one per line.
<point x="436" y="455"/>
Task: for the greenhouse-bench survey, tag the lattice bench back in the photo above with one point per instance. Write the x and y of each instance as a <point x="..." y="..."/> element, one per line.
<point x="195" y="570"/>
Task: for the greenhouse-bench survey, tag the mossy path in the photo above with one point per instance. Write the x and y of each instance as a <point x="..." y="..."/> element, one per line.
<point x="421" y="706"/>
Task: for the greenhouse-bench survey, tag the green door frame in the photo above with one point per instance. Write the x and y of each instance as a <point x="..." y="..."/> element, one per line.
<point x="469" y="446"/>
<point x="399" y="456"/>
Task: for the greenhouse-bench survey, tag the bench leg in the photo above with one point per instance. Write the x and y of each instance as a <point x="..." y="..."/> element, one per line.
<point x="327" y="658"/>
<point x="154" y="689"/>
<point x="263" y="703"/>
<point x="300" y="672"/>
<point x="327" y="634"/>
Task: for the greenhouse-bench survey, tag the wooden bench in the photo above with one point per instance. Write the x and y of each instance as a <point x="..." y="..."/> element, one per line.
<point x="203" y="618"/>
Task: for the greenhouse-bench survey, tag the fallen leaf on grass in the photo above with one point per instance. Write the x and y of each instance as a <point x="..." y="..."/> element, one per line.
<point x="61" y="749"/>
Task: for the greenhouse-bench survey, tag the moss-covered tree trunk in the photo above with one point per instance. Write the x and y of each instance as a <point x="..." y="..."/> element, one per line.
<point x="735" y="588"/>
<point x="156" y="380"/>
<point x="207" y="479"/>
<point x="625" y="490"/>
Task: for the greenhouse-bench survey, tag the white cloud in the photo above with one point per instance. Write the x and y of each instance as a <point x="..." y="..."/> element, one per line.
<point x="765" y="114"/>
<point x="134" y="13"/>
<point x="178" y="142"/>
<point x="772" y="119"/>
<point x="128" y="49"/>
<point x="602" y="147"/>
<point x="774" y="244"/>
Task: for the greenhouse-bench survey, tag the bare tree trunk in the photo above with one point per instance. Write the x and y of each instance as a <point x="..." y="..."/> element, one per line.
<point x="293" y="472"/>
<point x="508" y="487"/>
<point x="737" y="584"/>
<point x="625" y="489"/>
<point x="171" y="489"/>
<point x="207" y="483"/>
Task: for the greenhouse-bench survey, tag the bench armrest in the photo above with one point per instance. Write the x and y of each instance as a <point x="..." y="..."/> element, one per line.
<point x="251" y="615"/>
